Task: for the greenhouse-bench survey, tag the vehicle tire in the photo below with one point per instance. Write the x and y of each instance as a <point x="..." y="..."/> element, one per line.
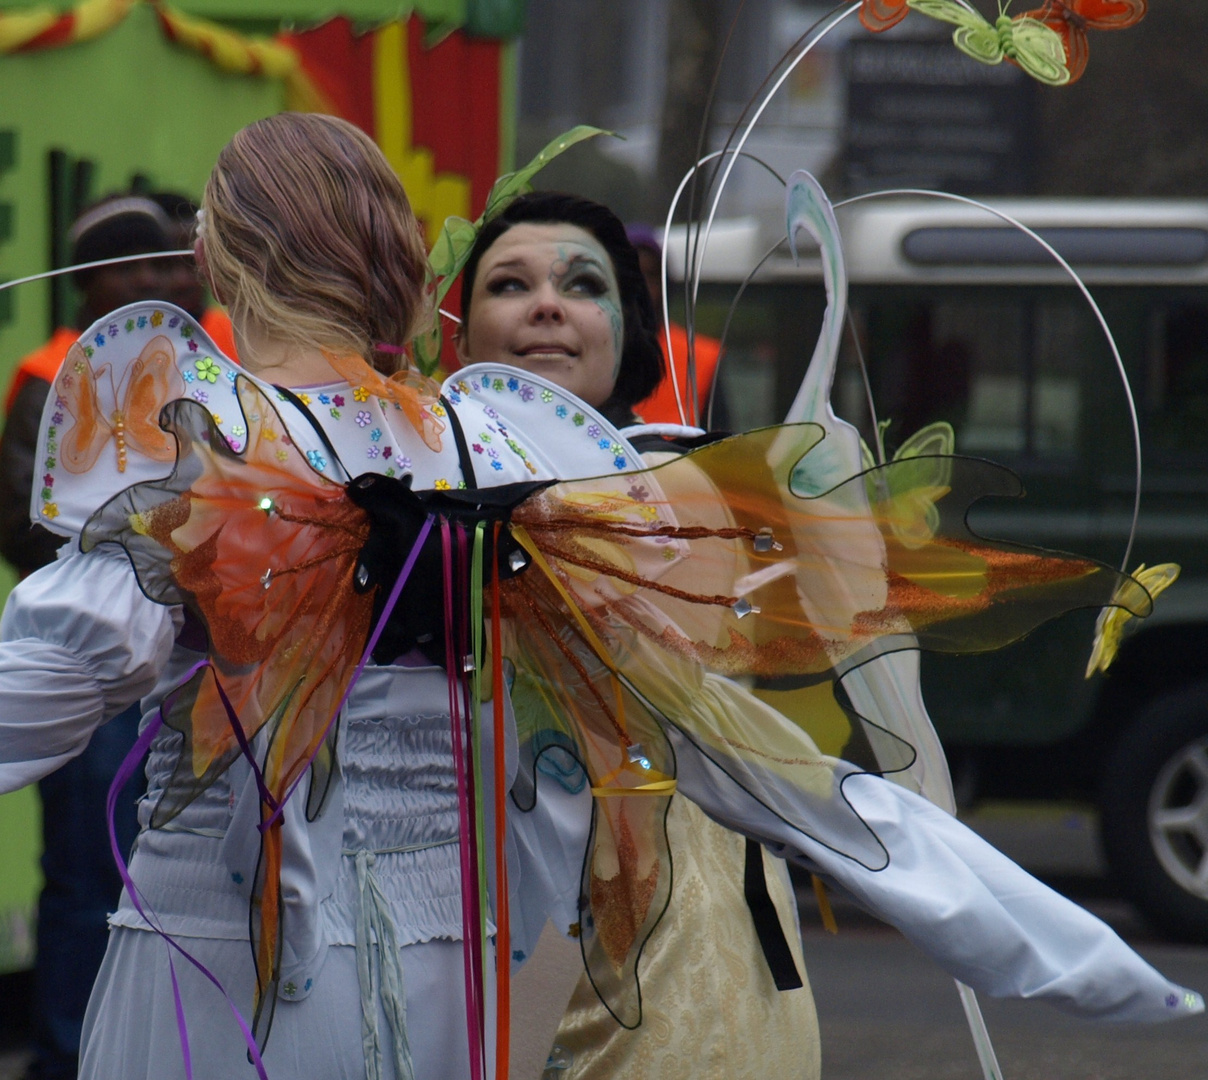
<point x="1154" y="813"/>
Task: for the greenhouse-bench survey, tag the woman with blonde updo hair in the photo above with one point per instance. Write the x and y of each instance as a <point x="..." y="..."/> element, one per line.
<point x="309" y="240"/>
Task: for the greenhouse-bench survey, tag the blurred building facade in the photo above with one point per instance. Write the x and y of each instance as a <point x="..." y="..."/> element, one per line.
<point x="1130" y="126"/>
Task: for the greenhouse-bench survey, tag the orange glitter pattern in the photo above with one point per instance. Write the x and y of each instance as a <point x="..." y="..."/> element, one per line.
<point x="710" y="567"/>
<point x="262" y="551"/>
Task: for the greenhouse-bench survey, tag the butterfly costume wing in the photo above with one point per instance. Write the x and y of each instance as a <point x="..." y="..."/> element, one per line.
<point x="879" y="15"/>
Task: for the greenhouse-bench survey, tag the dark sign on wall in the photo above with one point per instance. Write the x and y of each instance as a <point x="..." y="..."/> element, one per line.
<point x="922" y="114"/>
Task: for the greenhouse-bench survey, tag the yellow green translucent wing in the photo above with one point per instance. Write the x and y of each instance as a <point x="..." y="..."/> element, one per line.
<point x="906" y="495"/>
<point x="714" y="599"/>
<point x="1036" y="48"/>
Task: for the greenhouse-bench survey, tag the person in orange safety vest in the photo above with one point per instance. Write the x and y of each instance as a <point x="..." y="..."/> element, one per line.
<point x="662" y="406"/>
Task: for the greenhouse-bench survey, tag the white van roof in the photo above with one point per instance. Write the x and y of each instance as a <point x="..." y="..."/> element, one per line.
<point x="921" y="241"/>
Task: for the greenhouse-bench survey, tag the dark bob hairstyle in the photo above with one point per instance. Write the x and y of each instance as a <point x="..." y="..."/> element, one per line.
<point x="641" y="355"/>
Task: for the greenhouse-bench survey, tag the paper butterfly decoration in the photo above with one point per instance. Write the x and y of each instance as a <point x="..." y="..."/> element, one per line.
<point x="1070" y="20"/>
<point x="1025" y="41"/>
<point x="878" y="15"/>
<point x="131" y="421"/>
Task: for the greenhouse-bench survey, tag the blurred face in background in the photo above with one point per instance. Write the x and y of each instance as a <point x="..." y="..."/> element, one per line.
<point x="112" y="287"/>
<point x="182" y="285"/>
<point x="546" y="300"/>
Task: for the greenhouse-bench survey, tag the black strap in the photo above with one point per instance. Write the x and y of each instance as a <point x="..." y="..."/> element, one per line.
<point x="767" y="923"/>
<point x="298" y="404"/>
<point x="463" y="450"/>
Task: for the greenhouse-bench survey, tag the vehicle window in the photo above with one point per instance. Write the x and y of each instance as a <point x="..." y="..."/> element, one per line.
<point x="1176" y="390"/>
<point x="1003" y="366"/>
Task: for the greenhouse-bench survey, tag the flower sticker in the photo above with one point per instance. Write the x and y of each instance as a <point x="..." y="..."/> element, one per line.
<point x="304" y="398"/>
<point x="561" y="411"/>
<point x="404" y="462"/>
<point x="317" y="460"/>
<point x="335" y="413"/>
<point x="376" y="434"/>
<point x="360" y="394"/>
<point x="207" y="370"/>
<point x="200" y="395"/>
<point x="324" y="399"/>
<point x="593" y="432"/>
<point x="100" y="340"/>
<point x="477" y="448"/>
<point x="157" y="317"/>
<point x="547" y="396"/>
<point x="442" y="484"/>
<point x="372" y="451"/>
<point x="513" y="384"/>
<point x="338" y="401"/>
<point x="363" y="419"/>
<point x="192" y="346"/>
<point x="438" y="410"/>
<point x="50" y="510"/>
<point x="386" y="451"/>
<point x="496" y="465"/>
<point x="527" y="393"/>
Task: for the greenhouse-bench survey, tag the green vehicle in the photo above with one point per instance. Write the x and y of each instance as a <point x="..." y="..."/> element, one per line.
<point x="965" y="320"/>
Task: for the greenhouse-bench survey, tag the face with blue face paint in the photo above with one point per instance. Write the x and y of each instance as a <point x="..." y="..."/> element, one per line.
<point x="546" y="300"/>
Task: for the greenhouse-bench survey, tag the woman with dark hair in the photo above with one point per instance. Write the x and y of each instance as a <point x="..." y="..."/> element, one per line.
<point x="721" y="988"/>
<point x="543" y="290"/>
<point x="586" y="245"/>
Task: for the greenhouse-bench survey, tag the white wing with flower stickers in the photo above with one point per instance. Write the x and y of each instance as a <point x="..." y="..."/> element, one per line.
<point x="100" y="428"/>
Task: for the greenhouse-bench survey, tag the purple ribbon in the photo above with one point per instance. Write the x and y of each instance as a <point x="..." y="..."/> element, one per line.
<point x="124" y="773"/>
<point x="465" y="826"/>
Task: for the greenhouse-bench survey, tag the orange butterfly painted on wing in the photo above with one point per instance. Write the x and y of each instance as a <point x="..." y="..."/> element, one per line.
<point x="878" y="15"/>
<point x="133" y="419"/>
<point x="1072" y="18"/>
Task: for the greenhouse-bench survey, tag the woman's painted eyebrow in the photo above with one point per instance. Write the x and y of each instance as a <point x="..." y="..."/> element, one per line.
<point x="591" y="260"/>
<point x="509" y="264"/>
